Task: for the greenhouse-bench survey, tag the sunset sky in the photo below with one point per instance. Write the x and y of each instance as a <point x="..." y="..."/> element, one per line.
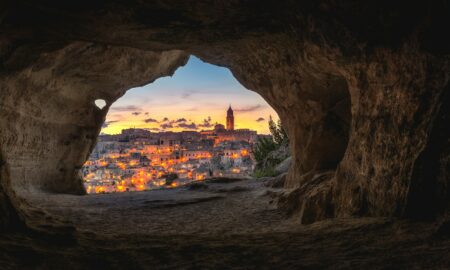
<point x="194" y="98"/>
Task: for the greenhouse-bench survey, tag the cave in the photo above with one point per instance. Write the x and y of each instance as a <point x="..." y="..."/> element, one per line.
<point x="176" y="127"/>
<point x="361" y="88"/>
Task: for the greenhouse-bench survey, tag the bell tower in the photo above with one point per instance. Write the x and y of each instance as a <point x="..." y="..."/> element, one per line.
<point x="230" y="119"/>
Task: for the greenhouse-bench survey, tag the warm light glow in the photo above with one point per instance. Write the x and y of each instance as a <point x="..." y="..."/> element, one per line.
<point x="133" y="163"/>
<point x="99" y="189"/>
<point x="222" y="89"/>
<point x="146" y="160"/>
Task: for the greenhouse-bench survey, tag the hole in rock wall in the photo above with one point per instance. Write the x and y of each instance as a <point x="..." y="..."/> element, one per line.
<point x="337" y="121"/>
<point x="198" y="124"/>
<point x="100" y="103"/>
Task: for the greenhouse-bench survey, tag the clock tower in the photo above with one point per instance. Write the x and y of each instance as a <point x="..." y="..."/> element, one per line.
<point x="230" y="119"/>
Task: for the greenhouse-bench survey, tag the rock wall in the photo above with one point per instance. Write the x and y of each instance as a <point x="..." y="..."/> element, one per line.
<point x="395" y="97"/>
<point x="9" y="216"/>
<point x="49" y="119"/>
<point x="361" y="87"/>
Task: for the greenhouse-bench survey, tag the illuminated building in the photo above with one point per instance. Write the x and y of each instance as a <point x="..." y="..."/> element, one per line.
<point x="230" y="119"/>
<point x="138" y="160"/>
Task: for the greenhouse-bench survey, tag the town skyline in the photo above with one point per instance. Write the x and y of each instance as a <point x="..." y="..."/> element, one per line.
<point x="195" y="98"/>
<point x="138" y="160"/>
<point x="182" y="124"/>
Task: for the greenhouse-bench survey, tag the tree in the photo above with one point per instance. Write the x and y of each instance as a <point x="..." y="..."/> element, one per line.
<point x="265" y="159"/>
<point x="262" y="148"/>
<point x="279" y="135"/>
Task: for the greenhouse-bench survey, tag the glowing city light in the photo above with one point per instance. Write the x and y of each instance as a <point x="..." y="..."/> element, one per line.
<point x="137" y="165"/>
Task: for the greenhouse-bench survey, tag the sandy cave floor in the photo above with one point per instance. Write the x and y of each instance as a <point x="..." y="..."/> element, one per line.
<point x="216" y="226"/>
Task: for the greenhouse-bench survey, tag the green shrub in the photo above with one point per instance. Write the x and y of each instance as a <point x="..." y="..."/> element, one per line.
<point x="264" y="172"/>
<point x="262" y="149"/>
<point x="279" y="135"/>
<point x="264" y="146"/>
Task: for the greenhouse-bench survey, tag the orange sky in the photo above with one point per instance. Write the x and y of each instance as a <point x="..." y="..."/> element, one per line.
<point x="194" y="98"/>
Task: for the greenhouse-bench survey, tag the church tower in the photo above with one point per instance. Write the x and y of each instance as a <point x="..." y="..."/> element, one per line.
<point x="230" y="119"/>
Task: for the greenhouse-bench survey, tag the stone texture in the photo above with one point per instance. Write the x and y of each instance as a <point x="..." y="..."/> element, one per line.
<point x="312" y="201"/>
<point x="362" y="89"/>
<point x="209" y="229"/>
<point x="48" y="135"/>
<point x="283" y="166"/>
<point x="276" y="160"/>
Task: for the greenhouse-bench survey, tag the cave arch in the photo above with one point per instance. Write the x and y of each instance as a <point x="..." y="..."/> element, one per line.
<point x="193" y="99"/>
<point x="54" y="68"/>
<point x="322" y="101"/>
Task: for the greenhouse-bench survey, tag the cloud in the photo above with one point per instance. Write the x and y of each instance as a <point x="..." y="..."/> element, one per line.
<point x="150" y="120"/>
<point x="129" y="108"/>
<point x="167" y="123"/>
<point x="116" y="115"/>
<point x="180" y="120"/>
<point x="193" y="109"/>
<point x="154" y="129"/>
<point x="136" y="113"/>
<point x="107" y="123"/>
<point x="166" y="126"/>
<point x="206" y="123"/>
<point x="249" y="108"/>
<point x="186" y="94"/>
<point x="187" y="126"/>
<point x="204" y="91"/>
<point x="146" y="113"/>
<point x="144" y="99"/>
<point x="190" y="93"/>
<point x="260" y="119"/>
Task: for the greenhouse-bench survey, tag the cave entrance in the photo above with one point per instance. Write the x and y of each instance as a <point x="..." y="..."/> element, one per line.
<point x="199" y="124"/>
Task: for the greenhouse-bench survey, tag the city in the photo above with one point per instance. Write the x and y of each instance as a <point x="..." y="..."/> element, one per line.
<point x="138" y="159"/>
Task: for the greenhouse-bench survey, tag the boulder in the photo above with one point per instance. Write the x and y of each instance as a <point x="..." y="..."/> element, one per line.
<point x="312" y="201"/>
<point x="283" y="167"/>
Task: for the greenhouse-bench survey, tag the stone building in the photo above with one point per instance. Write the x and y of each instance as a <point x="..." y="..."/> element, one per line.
<point x="230" y="119"/>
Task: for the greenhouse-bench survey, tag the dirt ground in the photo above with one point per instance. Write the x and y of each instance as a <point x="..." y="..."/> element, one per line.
<point x="216" y="225"/>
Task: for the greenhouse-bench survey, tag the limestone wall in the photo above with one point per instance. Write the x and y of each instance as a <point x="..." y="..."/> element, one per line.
<point x="361" y="87"/>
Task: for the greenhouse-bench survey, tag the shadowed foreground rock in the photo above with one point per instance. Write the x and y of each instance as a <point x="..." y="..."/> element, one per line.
<point x="221" y="226"/>
<point x="362" y="88"/>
